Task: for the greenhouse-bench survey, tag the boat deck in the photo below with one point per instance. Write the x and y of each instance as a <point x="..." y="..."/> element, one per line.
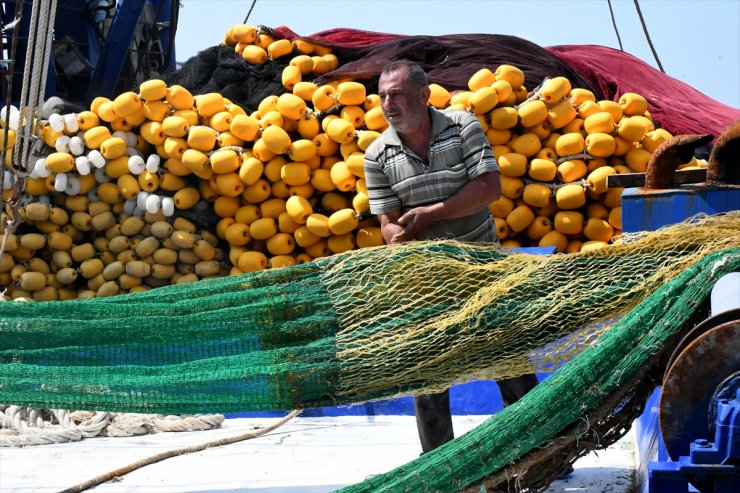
<point x="308" y="455"/>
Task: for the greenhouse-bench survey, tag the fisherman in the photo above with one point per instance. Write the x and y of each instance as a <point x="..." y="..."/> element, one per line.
<point x="432" y="175"/>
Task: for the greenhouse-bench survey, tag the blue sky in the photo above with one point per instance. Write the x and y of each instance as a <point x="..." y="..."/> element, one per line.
<point x="697" y="42"/>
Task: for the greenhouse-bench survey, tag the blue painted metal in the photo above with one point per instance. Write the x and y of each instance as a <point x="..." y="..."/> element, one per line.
<point x="549" y="250"/>
<point x="710" y="466"/>
<point x="648" y="210"/>
<point x="167" y="29"/>
<point x="76" y="22"/>
<point x="8" y="16"/>
<point x="650" y="445"/>
<point x="115" y="50"/>
<point x="480" y="397"/>
<point x="726" y="446"/>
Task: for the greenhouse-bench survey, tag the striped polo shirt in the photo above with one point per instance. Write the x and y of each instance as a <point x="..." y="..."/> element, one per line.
<point x="399" y="180"/>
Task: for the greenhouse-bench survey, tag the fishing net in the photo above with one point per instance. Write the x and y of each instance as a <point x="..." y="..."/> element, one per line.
<point x="359" y="326"/>
<point x="610" y="377"/>
<point x="391" y="320"/>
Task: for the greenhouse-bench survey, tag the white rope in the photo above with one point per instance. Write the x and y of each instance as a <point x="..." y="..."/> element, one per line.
<point x="29" y="56"/>
<point x="35" y="73"/>
<point x="38" y="44"/>
<point x="51" y="18"/>
<point x="26" y="118"/>
<point x="188" y="423"/>
<point x="25" y="426"/>
<point x="48" y="20"/>
<point x="88" y="428"/>
<point x="42" y="50"/>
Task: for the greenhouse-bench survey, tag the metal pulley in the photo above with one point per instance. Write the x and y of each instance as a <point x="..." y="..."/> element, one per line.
<point x="704" y="368"/>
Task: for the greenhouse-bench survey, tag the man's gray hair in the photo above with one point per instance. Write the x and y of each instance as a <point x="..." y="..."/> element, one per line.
<point x="416" y="74"/>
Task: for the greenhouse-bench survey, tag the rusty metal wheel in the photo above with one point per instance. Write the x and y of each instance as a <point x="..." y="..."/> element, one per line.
<point x="691" y="381"/>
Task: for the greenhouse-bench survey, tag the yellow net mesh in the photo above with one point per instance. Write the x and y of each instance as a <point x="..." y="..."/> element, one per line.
<point x="363" y="325"/>
<point x="452" y="312"/>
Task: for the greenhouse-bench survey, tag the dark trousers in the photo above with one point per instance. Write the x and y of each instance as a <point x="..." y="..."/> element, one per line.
<point x="433" y="417"/>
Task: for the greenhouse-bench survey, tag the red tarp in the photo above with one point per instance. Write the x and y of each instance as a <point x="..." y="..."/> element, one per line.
<point x="342" y="36"/>
<point x="678" y="107"/>
<point x="451" y="59"/>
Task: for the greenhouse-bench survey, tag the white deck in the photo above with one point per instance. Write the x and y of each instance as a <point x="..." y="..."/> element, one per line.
<point x="308" y="455"/>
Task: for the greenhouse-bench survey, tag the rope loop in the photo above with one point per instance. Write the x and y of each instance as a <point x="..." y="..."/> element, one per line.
<point x="24" y="426"/>
<point x="584" y="156"/>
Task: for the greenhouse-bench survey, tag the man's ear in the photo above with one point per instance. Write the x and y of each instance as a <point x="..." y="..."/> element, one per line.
<point x="424" y="94"/>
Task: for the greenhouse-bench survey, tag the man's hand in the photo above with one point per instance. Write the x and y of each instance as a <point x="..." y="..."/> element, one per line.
<point x="471" y="198"/>
<point x="390" y="228"/>
<point x="414" y="222"/>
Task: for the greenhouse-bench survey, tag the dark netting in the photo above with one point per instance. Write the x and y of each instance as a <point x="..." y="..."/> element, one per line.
<point x="221" y="69"/>
<point x="598" y="391"/>
<point x="451" y="60"/>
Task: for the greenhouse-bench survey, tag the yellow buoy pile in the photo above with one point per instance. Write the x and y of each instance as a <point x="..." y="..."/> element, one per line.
<point x="103" y="199"/>
<point x="555" y="147"/>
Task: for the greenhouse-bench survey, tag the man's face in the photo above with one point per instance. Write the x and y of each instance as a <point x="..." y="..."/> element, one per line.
<point x="402" y="104"/>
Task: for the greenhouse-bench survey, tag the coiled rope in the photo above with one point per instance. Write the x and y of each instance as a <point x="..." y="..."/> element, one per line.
<point x="25" y="426"/>
<point x="21" y="427"/>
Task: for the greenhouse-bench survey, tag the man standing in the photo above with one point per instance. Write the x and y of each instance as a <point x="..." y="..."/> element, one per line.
<point x="432" y="175"/>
